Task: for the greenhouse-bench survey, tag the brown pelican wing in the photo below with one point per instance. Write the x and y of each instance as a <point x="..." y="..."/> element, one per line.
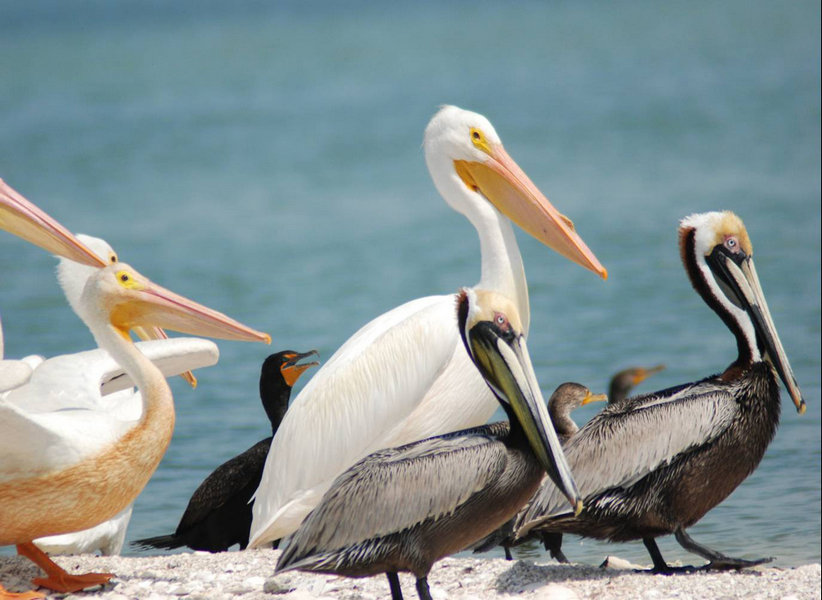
<point x="394" y="489"/>
<point x="624" y="443"/>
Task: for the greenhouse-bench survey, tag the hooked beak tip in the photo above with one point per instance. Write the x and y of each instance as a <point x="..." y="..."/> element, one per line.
<point x="578" y="507"/>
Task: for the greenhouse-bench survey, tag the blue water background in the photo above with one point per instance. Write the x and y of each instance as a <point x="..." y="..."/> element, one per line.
<point x="265" y="159"/>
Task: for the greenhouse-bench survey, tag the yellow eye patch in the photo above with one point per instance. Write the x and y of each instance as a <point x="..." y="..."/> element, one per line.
<point x="125" y="279"/>
<point x="479" y="140"/>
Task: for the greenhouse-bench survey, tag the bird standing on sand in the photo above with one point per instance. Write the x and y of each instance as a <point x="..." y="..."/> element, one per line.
<point x="405" y="376"/>
<point x="402" y="509"/>
<point x="654" y="464"/>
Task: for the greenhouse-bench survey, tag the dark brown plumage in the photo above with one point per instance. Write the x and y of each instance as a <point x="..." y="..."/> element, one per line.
<point x="655" y="464"/>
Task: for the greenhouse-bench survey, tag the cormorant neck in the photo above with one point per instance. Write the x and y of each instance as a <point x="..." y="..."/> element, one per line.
<point x="274" y="396"/>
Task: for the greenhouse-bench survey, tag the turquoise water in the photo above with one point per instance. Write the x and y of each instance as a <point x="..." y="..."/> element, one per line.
<point x="266" y="160"/>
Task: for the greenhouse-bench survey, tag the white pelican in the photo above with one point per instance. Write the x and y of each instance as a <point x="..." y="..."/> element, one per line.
<point x="49" y="486"/>
<point x="405" y="375"/>
<point x="90" y="375"/>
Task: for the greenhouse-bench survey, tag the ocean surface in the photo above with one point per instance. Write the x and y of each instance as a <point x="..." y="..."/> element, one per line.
<point x="265" y="159"/>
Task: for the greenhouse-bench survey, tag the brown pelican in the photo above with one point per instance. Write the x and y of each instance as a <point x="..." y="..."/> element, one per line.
<point x="656" y="463"/>
<point x="219" y="513"/>
<point x="405" y="375"/>
<point x="627" y="379"/>
<point x="402" y="509"/>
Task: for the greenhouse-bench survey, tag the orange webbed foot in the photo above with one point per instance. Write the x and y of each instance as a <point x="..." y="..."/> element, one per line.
<point x="7" y="595"/>
<point x="67" y="582"/>
<point x="57" y="578"/>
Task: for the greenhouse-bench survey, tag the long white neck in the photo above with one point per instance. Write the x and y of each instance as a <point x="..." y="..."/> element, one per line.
<point x="151" y="435"/>
<point x="502" y="268"/>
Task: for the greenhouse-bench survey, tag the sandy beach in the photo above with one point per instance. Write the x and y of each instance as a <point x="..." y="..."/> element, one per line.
<point x="250" y="576"/>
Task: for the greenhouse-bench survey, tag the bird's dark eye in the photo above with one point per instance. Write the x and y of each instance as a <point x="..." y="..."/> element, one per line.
<point x="476" y="135"/>
<point x="123" y="277"/>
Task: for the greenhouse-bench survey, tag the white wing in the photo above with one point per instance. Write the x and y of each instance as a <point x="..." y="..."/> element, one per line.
<point x="402" y="377"/>
<point x="13" y="374"/>
<point x="62" y="406"/>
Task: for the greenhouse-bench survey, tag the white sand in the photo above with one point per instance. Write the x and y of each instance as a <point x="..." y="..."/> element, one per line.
<point x="250" y="576"/>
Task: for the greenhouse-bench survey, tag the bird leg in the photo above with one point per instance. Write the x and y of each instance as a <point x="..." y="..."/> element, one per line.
<point x="717" y="560"/>
<point x="394" y="584"/>
<point x="7" y="595"/>
<point x="553" y="543"/>
<point x="422" y="589"/>
<point x="507" y="549"/>
<point x="57" y="578"/>
<point x="660" y="566"/>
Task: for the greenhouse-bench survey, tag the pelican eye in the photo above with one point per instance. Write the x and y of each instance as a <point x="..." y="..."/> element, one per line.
<point x="732" y="244"/>
<point x="112" y="258"/>
<point x="479" y="140"/>
<point x="126" y="280"/>
<point x="501" y="321"/>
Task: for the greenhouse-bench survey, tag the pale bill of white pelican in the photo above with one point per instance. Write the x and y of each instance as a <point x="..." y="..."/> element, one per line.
<point x="405" y="375"/>
<point x="24" y="219"/>
<point x="73" y="276"/>
<point x="47" y="492"/>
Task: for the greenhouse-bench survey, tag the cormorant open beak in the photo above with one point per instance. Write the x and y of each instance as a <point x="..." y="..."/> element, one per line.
<point x="24" y="219"/>
<point x="291" y="371"/>
<point x="508" y="188"/>
<point x="740" y="278"/>
<point x="506" y="366"/>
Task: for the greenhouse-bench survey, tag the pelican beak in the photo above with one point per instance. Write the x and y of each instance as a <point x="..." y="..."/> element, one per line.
<point x="589" y="397"/>
<point x="24" y="219"/>
<point x="500" y="180"/>
<point x="146" y="304"/>
<point x="506" y="367"/>
<point x="291" y="370"/>
<point x="155" y="333"/>
<point x="739" y="277"/>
